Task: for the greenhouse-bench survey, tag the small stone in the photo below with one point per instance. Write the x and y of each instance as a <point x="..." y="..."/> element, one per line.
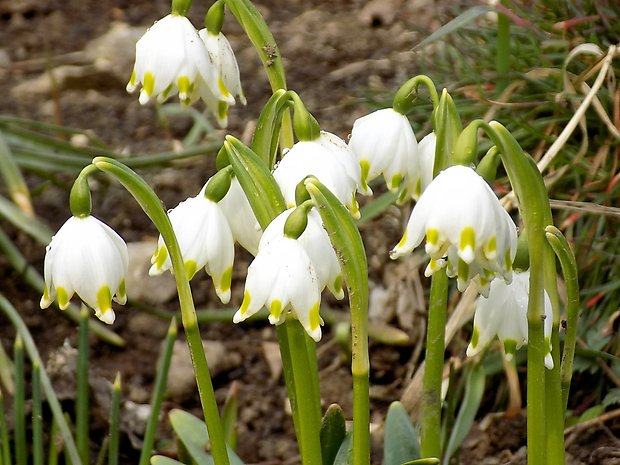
<point x="141" y="286"/>
<point x="271" y="350"/>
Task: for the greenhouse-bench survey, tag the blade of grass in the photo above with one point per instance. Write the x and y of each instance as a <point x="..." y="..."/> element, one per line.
<point x="19" y="414"/>
<point x="4" y="434"/>
<point x="82" y="396"/>
<point x="37" y="416"/>
<point x="114" y="421"/>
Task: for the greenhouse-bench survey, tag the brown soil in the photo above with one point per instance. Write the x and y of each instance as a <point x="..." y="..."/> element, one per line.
<point x="337" y="54"/>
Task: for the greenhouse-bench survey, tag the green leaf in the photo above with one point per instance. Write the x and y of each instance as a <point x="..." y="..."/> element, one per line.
<point x="267" y="132"/>
<point x="377" y="206"/>
<point x="333" y="433"/>
<point x="256" y="180"/>
<point x="401" y="443"/>
<point x="192" y="433"/>
<point x="345" y="453"/>
<point x="460" y="21"/>
<point x="162" y="460"/>
<point x="229" y="416"/>
<point x="474" y="389"/>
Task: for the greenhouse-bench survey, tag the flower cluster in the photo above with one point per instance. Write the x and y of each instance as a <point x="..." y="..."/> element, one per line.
<point x="289" y="274"/>
<point x="172" y="56"/>
<point x="466" y="229"/>
<point x="86" y="257"/>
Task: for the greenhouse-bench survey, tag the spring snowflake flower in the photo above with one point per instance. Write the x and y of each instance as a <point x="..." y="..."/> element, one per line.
<point x="205" y="240"/>
<point x="504" y="314"/>
<point x="241" y="219"/>
<point x="325" y="159"/>
<point x="228" y="80"/>
<point x="171" y="57"/>
<point x="283" y="278"/>
<point x="384" y="143"/>
<point x="88" y="258"/>
<point x="465" y="228"/>
<point x="317" y="245"/>
<point x="420" y="170"/>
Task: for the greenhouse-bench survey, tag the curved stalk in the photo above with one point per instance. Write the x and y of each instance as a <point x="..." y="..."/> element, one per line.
<point x="150" y="203"/>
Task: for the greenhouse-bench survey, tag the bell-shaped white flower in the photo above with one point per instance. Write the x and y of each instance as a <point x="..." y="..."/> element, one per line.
<point x="228" y="80"/>
<point x="283" y="278"/>
<point x="88" y="258"/>
<point x="420" y="172"/>
<point x="316" y="243"/>
<point x="504" y="314"/>
<point x="241" y="219"/>
<point x="384" y="143"/>
<point x="465" y="228"/>
<point x="171" y="57"/>
<point x="205" y="240"/>
<point x="345" y="156"/>
<point x="321" y="159"/>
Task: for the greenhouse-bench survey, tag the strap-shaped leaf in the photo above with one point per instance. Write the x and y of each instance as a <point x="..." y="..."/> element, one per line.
<point x="192" y="432"/>
<point x="333" y="433"/>
<point x="163" y="460"/>
<point x="447" y="125"/>
<point x="401" y="443"/>
<point x="267" y="132"/>
<point x="256" y="180"/>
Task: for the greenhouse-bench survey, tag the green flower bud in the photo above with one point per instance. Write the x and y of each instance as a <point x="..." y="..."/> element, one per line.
<point x="218" y="185"/>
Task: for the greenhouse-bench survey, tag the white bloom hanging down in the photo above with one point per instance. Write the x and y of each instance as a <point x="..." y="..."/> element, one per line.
<point x="171" y="57"/>
<point x="228" y="79"/>
<point x="465" y="226"/>
<point x="241" y="219"/>
<point x="88" y="258"/>
<point x="345" y="156"/>
<point x="283" y="278"/>
<point x="317" y="245"/>
<point x="205" y="240"/>
<point x="318" y="158"/>
<point x="504" y="314"/>
<point x="420" y="172"/>
<point x="384" y="143"/>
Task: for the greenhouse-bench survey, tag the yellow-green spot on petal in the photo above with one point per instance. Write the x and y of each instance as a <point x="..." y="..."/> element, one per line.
<point x="355" y="208"/>
<point x="467" y="244"/>
<point x="148" y="85"/>
<point x="508" y="260"/>
<point x="185" y="87"/>
<point x="510" y="347"/>
<point x="395" y="181"/>
<point x="365" y="167"/>
<point x="490" y="248"/>
<point x="63" y="297"/>
<point x="132" y="79"/>
<point x="104" y="299"/>
<point x="246" y="302"/>
<point x="275" y="309"/>
<point x="462" y="270"/>
<point x="432" y="236"/>
<point x="475" y="337"/>
<point x="315" y="318"/>
<point x="402" y="241"/>
<point x="160" y="257"/>
<point x="222" y="110"/>
<point x="222" y="87"/>
<point x="122" y="289"/>
<point x="338" y="283"/>
<point x="226" y="280"/>
<point x="166" y="92"/>
<point x="190" y="268"/>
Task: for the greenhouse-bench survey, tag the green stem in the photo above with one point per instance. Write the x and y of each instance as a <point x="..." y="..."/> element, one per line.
<point x="502" y="59"/>
<point x="19" y="414"/>
<point x="301" y="374"/>
<point x="52" y="400"/>
<point x="114" y="421"/>
<point x="408" y="93"/>
<point x="37" y="417"/>
<point x="152" y="206"/>
<point x="82" y="414"/>
<point x="4" y="434"/>
<point x="569" y="270"/>
<point x="158" y="394"/>
<point x="430" y="415"/>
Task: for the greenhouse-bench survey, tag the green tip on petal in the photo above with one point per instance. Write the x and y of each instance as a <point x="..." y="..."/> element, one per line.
<point x="402" y="241"/>
<point x="510" y="348"/>
<point x="275" y="309"/>
<point x="395" y="182"/>
<point x="475" y="337"/>
<point x="63" y="298"/>
<point x="190" y="269"/>
<point x="121" y="294"/>
<point x="222" y="110"/>
<point x="45" y="299"/>
<point x="490" y="248"/>
<point x="246" y="303"/>
<point x="104" y="299"/>
<point x="222" y="87"/>
<point x="159" y="257"/>
<point x="432" y="237"/>
<point x="315" y="318"/>
<point x="467" y="244"/>
<point x="365" y="167"/>
<point x="222" y="285"/>
<point x="463" y="270"/>
<point x="148" y="85"/>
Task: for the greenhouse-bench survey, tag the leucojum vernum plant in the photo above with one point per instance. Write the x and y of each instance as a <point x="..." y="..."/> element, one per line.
<point x="290" y="200"/>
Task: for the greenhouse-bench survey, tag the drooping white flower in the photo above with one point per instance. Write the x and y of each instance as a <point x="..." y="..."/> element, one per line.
<point x="384" y="143"/>
<point x="283" y="278"/>
<point x="465" y="228"/>
<point x="318" y="158"/>
<point x="228" y="80"/>
<point x="205" y="240"/>
<point x="241" y="219"/>
<point x="504" y="314"/>
<point x="171" y="57"/>
<point x="88" y="258"/>
<point x="317" y="245"/>
<point x="420" y="172"/>
<point x="345" y="156"/>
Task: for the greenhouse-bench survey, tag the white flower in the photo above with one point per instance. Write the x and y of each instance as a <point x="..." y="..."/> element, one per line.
<point x="345" y="156"/>
<point x="420" y="172"/>
<point x="205" y="240"/>
<point x="384" y="143"/>
<point x="283" y="278"/>
<point x="241" y="219"/>
<point x="504" y="314"/>
<point x="228" y="80"/>
<point x="170" y="56"/>
<point x="88" y="258"/>
<point x="317" y="245"/>
<point x="321" y="159"/>
<point x="464" y="225"/>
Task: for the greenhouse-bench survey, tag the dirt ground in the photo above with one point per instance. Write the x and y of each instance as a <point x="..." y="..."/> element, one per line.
<point x="337" y="55"/>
